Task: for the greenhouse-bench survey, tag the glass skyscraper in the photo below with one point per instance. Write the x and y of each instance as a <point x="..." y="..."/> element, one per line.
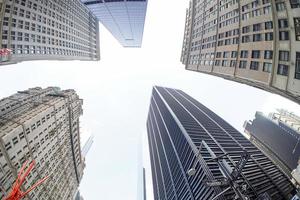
<point x="177" y="125"/>
<point x="123" y="18"/>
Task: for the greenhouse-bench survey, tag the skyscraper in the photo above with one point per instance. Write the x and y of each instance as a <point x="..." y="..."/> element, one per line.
<point x="253" y="42"/>
<point x="87" y="146"/>
<point x="178" y="126"/>
<point x="276" y="138"/>
<point x="42" y="125"/>
<point x="125" y="19"/>
<point x="47" y="30"/>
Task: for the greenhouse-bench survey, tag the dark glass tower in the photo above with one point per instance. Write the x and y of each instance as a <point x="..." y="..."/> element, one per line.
<point x="177" y="124"/>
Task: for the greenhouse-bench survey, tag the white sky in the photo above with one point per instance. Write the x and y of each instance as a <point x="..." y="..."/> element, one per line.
<point x="116" y="93"/>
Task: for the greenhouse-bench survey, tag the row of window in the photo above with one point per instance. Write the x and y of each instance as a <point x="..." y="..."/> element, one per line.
<point x="254" y="65"/>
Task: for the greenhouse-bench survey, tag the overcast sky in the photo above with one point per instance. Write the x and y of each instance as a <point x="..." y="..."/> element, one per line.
<point x="116" y="93"/>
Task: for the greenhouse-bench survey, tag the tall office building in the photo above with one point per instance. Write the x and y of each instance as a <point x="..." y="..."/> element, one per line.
<point x="87" y="146"/>
<point x="178" y="126"/>
<point x="42" y="125"/>
<point x="255" y="42"/>
<point x="125" y="19"/>
<point x="47" y="30"/>
<point x="276" y="137"/>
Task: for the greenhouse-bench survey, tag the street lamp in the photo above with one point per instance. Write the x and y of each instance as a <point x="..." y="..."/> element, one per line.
<point x="231" y="175"/>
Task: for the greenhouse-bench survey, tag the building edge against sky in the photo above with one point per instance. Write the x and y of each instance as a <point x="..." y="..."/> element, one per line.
<point x="177" y="125"/>
<point x="42" y="125"/>
<point x="47" y="30"/>
<point x="125" y="19"/>
<point x="253" y="42"/>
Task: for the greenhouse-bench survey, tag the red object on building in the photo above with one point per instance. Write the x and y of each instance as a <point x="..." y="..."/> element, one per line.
<point x="16" y="192"/>
<point x="5" y="52"/>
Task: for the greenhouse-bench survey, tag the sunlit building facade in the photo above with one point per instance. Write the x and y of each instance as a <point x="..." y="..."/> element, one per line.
<point x="125" y="19"/>
<point x="47" y="30"/>
<point x="42" y="125"/>
<point x="255" y="42"/>
<point x="177" y="126"/>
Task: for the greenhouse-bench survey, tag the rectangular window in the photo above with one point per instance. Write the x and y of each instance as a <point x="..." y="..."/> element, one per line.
<point x="255" y="54"/>
<point x="233" y="54"/>
<point x="226" y="54"/>
<point x="268" y="36"/>
<point x="284" y="55"/>
<point x="297" y="28"/>
<point x="256" y="27"/>
<point x="243" y="64"/>
<point x="284" y="35"/>
<point x="280" y="6"/>
<point x="295" y="3"/>
<point x="267" y="67"/>
<point x="268" y="54"/>
<point x="233" y="63"/>
<point x="283" y="23"/>
<point x="283" y="70"/>
<point x="268" y="25"/>
<point x="244" y="54"/>
<point x="254" y="65"/>
<point x="246" y="29"/>
<point x="297" y="66"/>
<point x="245" y="39"/>
<point x="218" y="55"/>
<point x="256" y="37"/>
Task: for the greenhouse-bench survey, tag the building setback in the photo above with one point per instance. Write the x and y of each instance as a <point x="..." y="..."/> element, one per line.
<point x="278" y="140"/>
<point x="48" y="30"/>
<point x="176" y="126"/>
<point x="42" y="125"/>
<point x="125" y="19"/>
<point x="255" y="42"/>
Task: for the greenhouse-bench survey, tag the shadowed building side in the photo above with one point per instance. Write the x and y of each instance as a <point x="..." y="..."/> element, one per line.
<point x="177" y="125"/>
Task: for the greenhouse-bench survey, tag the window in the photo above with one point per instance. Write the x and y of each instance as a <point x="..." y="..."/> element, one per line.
<point x="267" y="67"/>
<point x="283" y="70"/>
<point x="268" y="54"/>
<point x="233" y="63"/>
<point x="295" y="3"/>
<point x="233" y="54"/>
<point x="218" y="55"/>
<point x="268" y="36"/>
<point x="297" y="66"/>
<point x="243" y="64"/>
<point x="283" y="35"/>
<point x="255" y="54"/>
<point x="246" y="39"/>
<point x="283" y="23"/>
<point x="15" y="140"/>
<point x="226" y="54"/>
<point x="246" y="29"/>
<point x="297" y="28"/>
<point x="254" y="65"/>
<point x="256" y="37"/>
<point x="225" y="63"/>
<point x="284" y="55"/>
<point x="280" y="6"/>
<point x="256" y="27"/>
<point x="244" y="54"/>
<point x="268" y="25"/>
